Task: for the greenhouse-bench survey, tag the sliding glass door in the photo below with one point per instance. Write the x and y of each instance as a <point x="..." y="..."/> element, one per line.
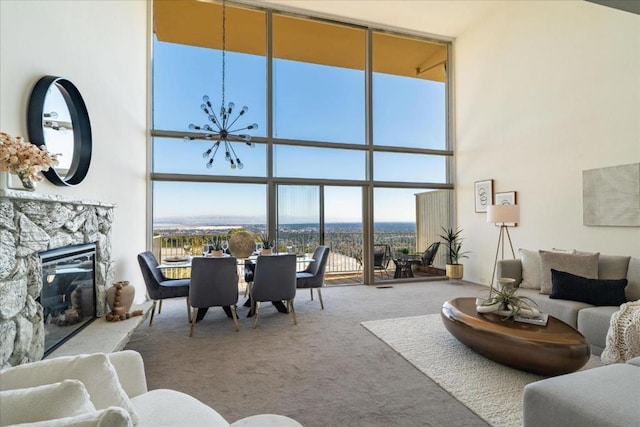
<point x="312" y="215"/>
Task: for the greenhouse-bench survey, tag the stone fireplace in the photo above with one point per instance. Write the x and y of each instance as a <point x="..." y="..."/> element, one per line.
<point x="31" y="223"/>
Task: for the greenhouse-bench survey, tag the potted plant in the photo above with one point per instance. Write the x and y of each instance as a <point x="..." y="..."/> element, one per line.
<point x="504" y="301"/>
<point x="453" y="242"/>
<point x="267" y="245"/>
<point x="215" y="247"/>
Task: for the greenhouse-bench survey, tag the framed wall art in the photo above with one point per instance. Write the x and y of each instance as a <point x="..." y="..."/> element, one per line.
<point x="483" y="191"/>
<point x="611" y="196"/>
<point x="506" y="198"/>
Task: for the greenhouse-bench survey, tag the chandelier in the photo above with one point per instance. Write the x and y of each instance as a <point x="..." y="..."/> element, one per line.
<point x="223" y="131"/>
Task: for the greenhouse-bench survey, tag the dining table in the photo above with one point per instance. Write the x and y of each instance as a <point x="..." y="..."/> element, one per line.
<point x="185" y="262"/>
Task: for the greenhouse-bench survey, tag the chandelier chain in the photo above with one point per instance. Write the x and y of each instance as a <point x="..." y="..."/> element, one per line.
<point x="224" y="36"/>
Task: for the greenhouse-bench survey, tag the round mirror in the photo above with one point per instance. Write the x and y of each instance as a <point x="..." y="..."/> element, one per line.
<point x="58" y="119"/>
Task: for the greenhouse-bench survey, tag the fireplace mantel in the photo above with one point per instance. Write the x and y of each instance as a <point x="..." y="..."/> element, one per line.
<point x="50" y="198"/>
<point x="31" y="222"/>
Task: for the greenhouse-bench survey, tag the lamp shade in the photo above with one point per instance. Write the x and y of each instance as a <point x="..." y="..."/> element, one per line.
<point x="500" y="214"/>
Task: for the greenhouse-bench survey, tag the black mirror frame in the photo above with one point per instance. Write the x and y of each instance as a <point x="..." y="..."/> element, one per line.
<point x="81" y="128"/>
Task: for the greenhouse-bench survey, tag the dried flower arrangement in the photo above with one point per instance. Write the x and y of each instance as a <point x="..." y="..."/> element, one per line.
<point x="24" y="158"/>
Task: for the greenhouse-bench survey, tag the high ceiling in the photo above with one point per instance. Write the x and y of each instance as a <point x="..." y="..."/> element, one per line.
<point x="447" y="18"/>
<point x="442" y="17"/>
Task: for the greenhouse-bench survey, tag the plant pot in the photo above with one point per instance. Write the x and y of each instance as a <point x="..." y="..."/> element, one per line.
<point x="266" y="252"/>
<point x="16" y="182"/>
<point x="121" y="295"/>
<point x="454" y="271"/>
<point x="215" y="253"/>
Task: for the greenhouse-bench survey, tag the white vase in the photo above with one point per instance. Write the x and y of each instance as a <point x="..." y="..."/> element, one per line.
<point x="13" y="182"/>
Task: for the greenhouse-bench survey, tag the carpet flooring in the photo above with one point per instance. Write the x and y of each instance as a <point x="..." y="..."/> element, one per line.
<point x="326" y="371"/>
<point x="491" y="390"/>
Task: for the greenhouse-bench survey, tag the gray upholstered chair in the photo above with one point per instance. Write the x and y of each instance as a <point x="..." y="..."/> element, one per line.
<point x="274" y="280"/>
<point x="160" y="287"/>
<point x="214" y="283"/>
<point x="313" y="276"/>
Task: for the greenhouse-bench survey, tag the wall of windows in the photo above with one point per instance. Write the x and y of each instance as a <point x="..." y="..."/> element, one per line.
<point x="336" y="105"/>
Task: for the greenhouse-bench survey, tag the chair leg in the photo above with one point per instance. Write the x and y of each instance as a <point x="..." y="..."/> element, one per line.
<point x="235" y="316"/>
<point x="292" y="311"/>
<point x="311" y="291"/>
<point x="256" y="310"/>
<point x="188" y="308"/>
<point x="160" y="307"/>
<point x="193" y="321"/>
<point x="320" y="298"/>
<point x="153" y="310"/>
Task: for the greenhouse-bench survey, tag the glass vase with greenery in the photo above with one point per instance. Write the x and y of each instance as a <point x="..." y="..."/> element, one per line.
<point x="267" y="243"/>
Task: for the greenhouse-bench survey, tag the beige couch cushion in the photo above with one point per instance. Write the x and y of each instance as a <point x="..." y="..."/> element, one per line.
<point x="633" y="277"/>
<point x="113" y="416"/>
<point x="530" y="269"/>
<point x="58" y="400"/>
<point x="613" y="267"/>
<point x="93" y="370"/>
<point x="166" y="408"/>
<point x="580" y="265"/>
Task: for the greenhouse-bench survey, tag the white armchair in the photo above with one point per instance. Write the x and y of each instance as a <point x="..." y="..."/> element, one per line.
<point x="106" y="391"/>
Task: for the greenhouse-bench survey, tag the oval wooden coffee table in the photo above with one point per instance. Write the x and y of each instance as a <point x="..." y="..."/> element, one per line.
<point x="549" y="350"/>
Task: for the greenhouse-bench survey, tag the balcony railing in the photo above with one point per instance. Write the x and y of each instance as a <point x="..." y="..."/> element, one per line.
<point x="345" y="256"/>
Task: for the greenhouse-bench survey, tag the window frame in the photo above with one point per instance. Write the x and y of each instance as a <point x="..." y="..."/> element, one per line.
<point x="369" y="148"/>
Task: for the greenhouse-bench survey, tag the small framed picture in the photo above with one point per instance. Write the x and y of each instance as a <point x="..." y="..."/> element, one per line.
<point x="506" y="198"/>
<point x="483" y="191"/>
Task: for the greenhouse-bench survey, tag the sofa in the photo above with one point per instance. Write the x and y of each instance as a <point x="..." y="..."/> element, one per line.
<point x="607" y="396"/>
<point x="538" y="272"/>
<point x="105" y="390"/>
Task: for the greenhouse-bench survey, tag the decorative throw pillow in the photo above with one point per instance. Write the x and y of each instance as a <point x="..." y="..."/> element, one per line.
<point x="598" y="292"/>
<point x="564" y="251"/>
<point x="93" y="370"/>
<point x="633" y="276"/>
<point x="530" y="269"/>
<point x="112" y="416"/>
<point x="613" y="266"/>
<point x="46" y="402"/>
<point x="580" y="265"/>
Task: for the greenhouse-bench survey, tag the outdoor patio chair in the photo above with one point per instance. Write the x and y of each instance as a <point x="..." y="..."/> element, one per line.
<point x="381" y="257"/>
<point x="214" y="283"/>
<point x="313" y="276"/>
<point x="160" y="287"/>
<point x="429" y="255"/>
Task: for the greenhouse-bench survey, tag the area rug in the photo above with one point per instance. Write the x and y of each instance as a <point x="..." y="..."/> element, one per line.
<point x="491" y="390"/>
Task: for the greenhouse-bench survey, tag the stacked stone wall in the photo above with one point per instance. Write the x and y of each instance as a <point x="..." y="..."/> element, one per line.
<point x="31" y="223"/>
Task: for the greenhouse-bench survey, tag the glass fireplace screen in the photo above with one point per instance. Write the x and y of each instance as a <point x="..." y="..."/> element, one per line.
<point x="68" y="295"/>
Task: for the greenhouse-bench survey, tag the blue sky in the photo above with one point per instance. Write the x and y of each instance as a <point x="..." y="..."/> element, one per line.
<point x="311" y="102"/>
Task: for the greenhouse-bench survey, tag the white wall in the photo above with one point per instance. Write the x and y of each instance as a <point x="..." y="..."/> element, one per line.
<point x="101" y="47"/>
<point x="545" y="90"/>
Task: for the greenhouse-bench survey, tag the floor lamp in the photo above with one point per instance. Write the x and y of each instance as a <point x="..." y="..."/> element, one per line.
<point x="502" y="214"/>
